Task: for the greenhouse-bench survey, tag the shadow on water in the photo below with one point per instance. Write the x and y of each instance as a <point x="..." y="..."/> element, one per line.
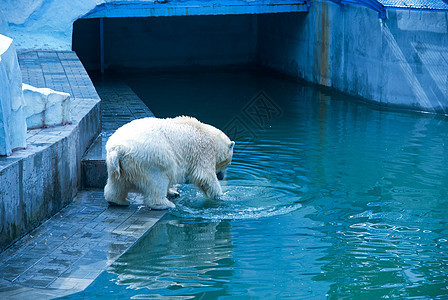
<point x="328" y="198"/>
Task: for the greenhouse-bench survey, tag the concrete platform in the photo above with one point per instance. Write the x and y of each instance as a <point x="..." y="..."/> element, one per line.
<point x="66" y="253"/>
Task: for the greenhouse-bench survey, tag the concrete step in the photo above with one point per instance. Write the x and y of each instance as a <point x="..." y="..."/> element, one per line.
<point x="93" y="165"/>
<point x="119" y="105"/>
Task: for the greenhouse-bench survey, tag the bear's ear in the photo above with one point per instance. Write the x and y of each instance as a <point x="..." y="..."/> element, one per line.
<point x="232" y="143"/>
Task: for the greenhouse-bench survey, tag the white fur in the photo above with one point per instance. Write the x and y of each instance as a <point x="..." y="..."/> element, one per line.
<point x="150" y="155"/>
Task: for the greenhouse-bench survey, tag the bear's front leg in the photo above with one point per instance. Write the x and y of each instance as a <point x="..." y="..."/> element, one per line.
<point x="209" y="185"/>
<point x="212" y="190"/>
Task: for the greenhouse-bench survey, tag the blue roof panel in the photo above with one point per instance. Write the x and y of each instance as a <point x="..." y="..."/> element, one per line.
<point x="415" y="4"/>
<point x="151" y="8"/>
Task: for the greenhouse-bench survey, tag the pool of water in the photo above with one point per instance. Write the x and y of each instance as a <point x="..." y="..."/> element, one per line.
<point x="326" y="197"/>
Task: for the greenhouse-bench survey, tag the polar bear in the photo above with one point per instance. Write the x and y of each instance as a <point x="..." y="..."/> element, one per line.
<point x="150" y="155"/>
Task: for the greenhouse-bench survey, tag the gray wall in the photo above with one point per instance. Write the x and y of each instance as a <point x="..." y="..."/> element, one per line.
<point x="399" y="61"/>
<point x="168" y="41"/>
<point x="40" y="181"/>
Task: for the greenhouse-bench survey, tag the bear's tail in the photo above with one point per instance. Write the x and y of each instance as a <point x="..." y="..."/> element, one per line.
<point x="113" y="162"/>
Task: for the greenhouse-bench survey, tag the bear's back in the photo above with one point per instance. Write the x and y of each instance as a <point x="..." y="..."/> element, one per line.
<point x="157" y="135"/>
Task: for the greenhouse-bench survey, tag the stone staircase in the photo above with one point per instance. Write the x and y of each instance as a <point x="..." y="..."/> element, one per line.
<point x="93" y="164"/>
<point x="119" y="105"/>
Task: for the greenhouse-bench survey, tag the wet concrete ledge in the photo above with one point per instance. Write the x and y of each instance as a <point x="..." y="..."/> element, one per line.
<point x="36" y="182"/>
<point x="66" y="253"/>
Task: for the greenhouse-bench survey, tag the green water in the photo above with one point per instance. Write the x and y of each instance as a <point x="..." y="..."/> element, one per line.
<point x="326" y="197"/>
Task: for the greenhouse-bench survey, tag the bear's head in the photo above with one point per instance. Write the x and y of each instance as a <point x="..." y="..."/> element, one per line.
<point x="222" y="145"/>
<point x="223" y="149"/>
<point x="224" y="153"/>
<point x="223" y="161"/>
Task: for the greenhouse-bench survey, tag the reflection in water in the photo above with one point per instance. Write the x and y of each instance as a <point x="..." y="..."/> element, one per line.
<point x="193" y="257"/>
<point x="334" y="199"/>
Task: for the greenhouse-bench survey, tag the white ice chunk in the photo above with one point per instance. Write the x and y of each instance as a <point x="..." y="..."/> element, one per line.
<point x="12" y="118"/>
<point x="45" y="107"/>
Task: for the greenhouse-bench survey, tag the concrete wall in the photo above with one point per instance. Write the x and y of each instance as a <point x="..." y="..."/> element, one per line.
<point x="48" y="24"/>
<point x="168" y="41"/>
<point x="400" y="61"/>
<point x="42" y="180"/>
<point x="397" y="61"/>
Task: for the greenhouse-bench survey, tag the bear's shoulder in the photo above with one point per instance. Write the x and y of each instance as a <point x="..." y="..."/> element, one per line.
<point x="186" y="120"/>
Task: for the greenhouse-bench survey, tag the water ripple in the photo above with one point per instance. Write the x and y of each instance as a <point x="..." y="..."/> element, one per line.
<point x="241" y="200"/>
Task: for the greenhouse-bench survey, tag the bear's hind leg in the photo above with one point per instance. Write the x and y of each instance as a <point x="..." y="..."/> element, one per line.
<point x="116" y="192"/>
<point x="154" y="188"/>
